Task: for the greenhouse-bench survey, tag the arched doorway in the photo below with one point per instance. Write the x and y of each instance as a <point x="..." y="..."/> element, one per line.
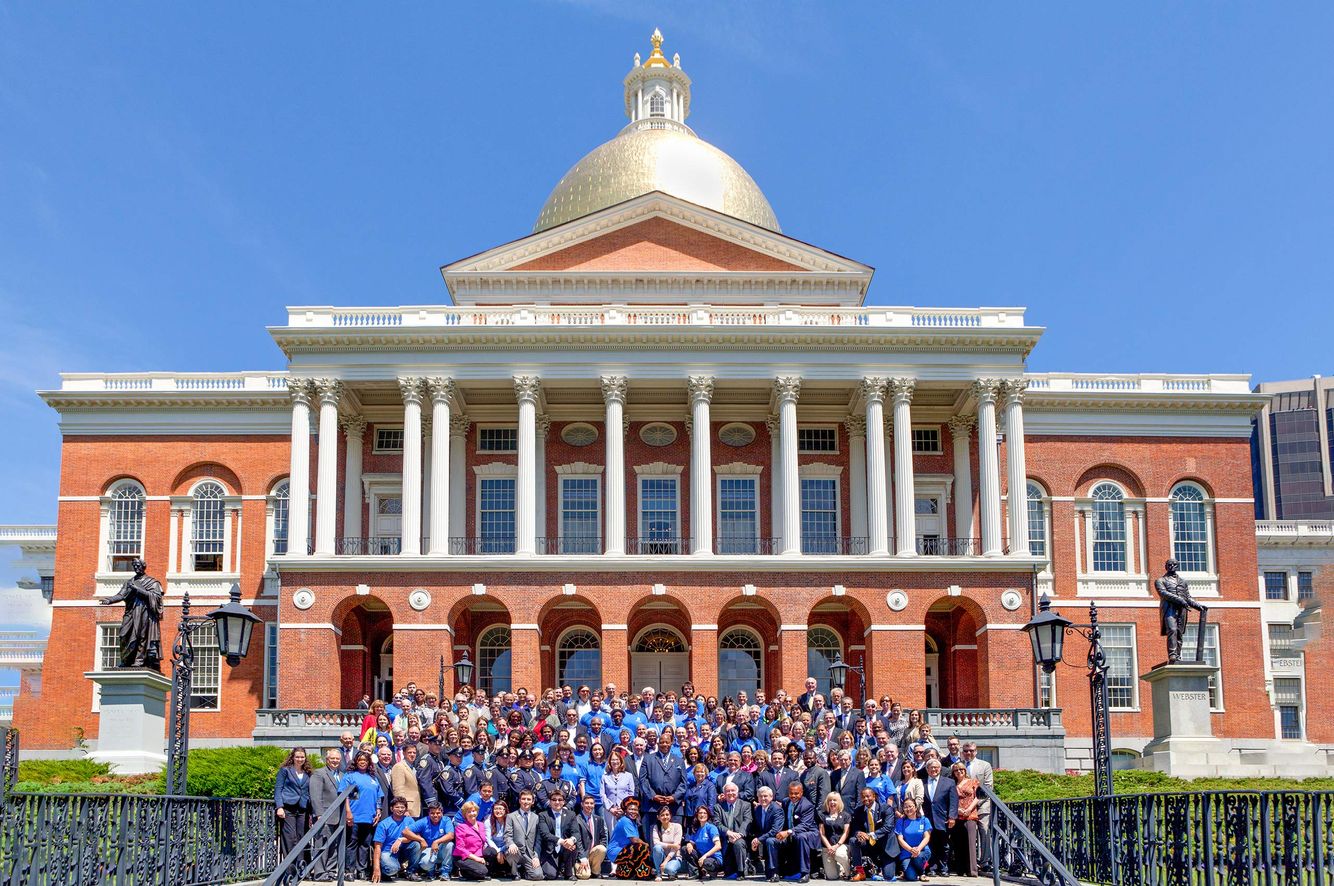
<point x="366" y="649"/>
<point x="579" y="658"/>
<point x="932" y="695"/>
<point x="836" y="627"/>
<point x="482" y="627"/>
<point x="659" y="657"/>
<point x="572" y="652"/>
<point x="740" y="663"/>
<point x="953" y="676"/>
<point x="382" y="670"/>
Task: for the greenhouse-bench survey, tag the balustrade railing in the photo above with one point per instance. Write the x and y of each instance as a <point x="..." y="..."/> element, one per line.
<point x="993" y="718"/>
<point x="569" y="545"/>
<point x="747" y="544"/>
<point x="944" y="546"/>
<point x="851" y="545"/>
<point x="373" y="545"/>
<point x="300" y="718"/>
<point x="652" y="546"/>
<point x="498" y="544"/>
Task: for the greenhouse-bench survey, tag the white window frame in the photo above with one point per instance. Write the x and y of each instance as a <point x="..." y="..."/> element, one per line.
<point x="477" y="656"/>
<point x="1301" y="708"/>
<point x="496" y="426"/>
<point x="940" y="440"/>
<point x="655" y="471"/>
<point x="1133" y="581"/>
<point x="1134" y="669"/>
<point x="211" y="645"/>
<point x="182" y="554"/>
<point x="272" y="662"/>
<point x="819" y="471"/>
<point x="812" y="426"/>
<point x="1217" y="678"/>
<point x="578" y="471"/>
<point x="271" y="517"/>
<point x="375" y="439"/>
<point x="560" y="643"/>
<point x="494" y="471"/>
<point x="1044" y="500"/>
<point x="104" y="543"/>
<point x="735" y="471"/>
<point x="822" y="688"/>
<point x="759" y="645"/>
<point x="99" y="628"/>
<point x="1207" y="505"/>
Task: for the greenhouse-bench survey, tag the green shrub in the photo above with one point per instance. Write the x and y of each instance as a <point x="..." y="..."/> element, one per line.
<point x="151" y="784"/>
<point x="58" y="771"/>
<point x="246" y="771"/>
<point x="1025" y="785"/>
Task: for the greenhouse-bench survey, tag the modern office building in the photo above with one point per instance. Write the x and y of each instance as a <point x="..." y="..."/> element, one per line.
<point x="1294" y="479"/>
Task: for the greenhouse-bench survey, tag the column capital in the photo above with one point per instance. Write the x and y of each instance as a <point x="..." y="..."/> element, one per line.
<point x="544" y="426"/>
<point x="787" y="388"/>
<point x="700" y="387"/>
<point x="856" y="425"/>
<point x="873" y="388"/>
<point x="527" y="388"/>
<point x="441" y="389"/>
<point x="300" y="390"/>
<point x="613" y="388"/>
<point x="411" y="388"/>
<point x="458" y="425"/>
<point x="902" y="389"/>
<point x="986" y="389"/>
<point x="353" y="425"/>
<point x="772" y="423"/>
<point x="330" y="390"/>
<point x="962" y="425"/>
<point x="1013" y="389"/>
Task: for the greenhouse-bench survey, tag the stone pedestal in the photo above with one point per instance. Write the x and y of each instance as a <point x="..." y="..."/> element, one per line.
<point x="1183" y="735"/>
<point x="132" y="724"/>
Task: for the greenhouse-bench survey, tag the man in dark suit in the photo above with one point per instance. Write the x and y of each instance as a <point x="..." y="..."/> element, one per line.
<point x="766" y="822"/>
<point x="798" y="837"/>
<point x="942" y="807"/>
<point x="744" y="781"/>
<point x="662" y="781"/>
<point x="634" y="761"/>
<point x="814" y="778"/>
<point x="324" y="788"/>
<point x="384" y="762"/>
<point x="782" y="775"/>
<point x="869" y="841"/>
<point x="558" y="840"/>
<point x="593" y="836"/>
<point x="846" y="779"/>
<point x="732" y="816"/>
<point x="347" y="745"/>
<point x="597" y="733"/>
<point x="806" y="698"/>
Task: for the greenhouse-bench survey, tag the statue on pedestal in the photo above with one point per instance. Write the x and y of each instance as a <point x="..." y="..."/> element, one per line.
<point x="140" y="629"/>
<point x="1174" y="593"/>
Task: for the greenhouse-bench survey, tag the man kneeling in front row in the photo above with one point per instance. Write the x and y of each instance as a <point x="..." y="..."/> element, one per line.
<point x="396" y="846"/>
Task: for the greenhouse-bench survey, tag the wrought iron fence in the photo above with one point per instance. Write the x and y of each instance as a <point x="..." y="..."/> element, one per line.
<point x="657" y="545"/>
<point x="322" y="851"/>
<point x="91" y="839"/>
<point x="1238" y="838"/>
<point x="1017" y="852"/>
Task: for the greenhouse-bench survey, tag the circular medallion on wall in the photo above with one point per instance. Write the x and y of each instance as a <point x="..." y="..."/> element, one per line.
<point x="658" y="434"/>
<point x="419" y="599"/>
<point x="579" y="434"/>
<point x="303" y="598"/>
<point x="897" y="600"/>
<point x="737" y="434"/>
<point x="1011" y="600"/>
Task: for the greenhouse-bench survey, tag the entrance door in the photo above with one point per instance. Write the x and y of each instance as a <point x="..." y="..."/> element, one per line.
<point x="384" y="670"/>
<point x="933" y="680"/>
<point x="659" y="659"/>
<point x="387" y="526"/>
<point x="930" y="536"/>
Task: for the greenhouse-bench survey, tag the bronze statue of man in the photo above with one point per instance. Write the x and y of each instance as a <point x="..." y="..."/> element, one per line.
<point x="1174" y="593"/>
<point x="140" y="629"/>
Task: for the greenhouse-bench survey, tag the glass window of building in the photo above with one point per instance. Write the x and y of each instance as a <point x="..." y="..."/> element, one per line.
<point x="658" y="503"/>
<point x="271" y="664"/>
<point x="1305" y="586"/>
<point x="208" y="671"/>
<point x="822" y="646"/>
<point x="1037" y="521"/>
<point x="208" y="527"/>
<point x="1282" y="641"/>
<point x="926" y="440"/>
<point x="495" y="515"/>
<point x="1109" y="529"/>
<point x="498" y="439"/>
<point x="388" y="439"/>
<point x="1210" y="658"/>
<point x="493" y="660"/>
<point x="817" y="439"/>
<point x="1276" y="586"/>
<point x="127" y="526"/>
<point x="1190" y="528"/>
<point x="1288" y="698"/>
<point x="281" y="508"/>
<point x="1118" y="642"/>
<point x="579" y="658"/>
<point x="738" y="515"/>
<point x="740" y="663"/>
<point x="819" y="515"/>
<point x="580" y="519"/>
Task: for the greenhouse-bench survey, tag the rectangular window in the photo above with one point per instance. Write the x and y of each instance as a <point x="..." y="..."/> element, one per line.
<point x="48" y="585"/>
<point x="926" y="440"/>
<point x="1047" y="684"/>
<point x="1118" y="642"/>
<point x="209" y="526"/>
<point x="495" y="515"/>
<point x="817" y="439"/>
<point x="1305" y="586"/>
<point x="388" y="439"/>
<point x="271" y="664"/>
<point x="1281" y="645"/>
<point x="1276" y="586"/>
<point x="1288" y="698"/>
<point x="657" y="515"/>
<point x="738" y="515"/>
<point x="1210" y="658"/>
<point x="819" y="515"/>
<point x="107" y="655"/>
<point x="1037" y="527"/>
<point x="579" y="516"/>
<point x="497" y="439"/>
<point x="1109" y="536"/>
<point x="207" y="682"/>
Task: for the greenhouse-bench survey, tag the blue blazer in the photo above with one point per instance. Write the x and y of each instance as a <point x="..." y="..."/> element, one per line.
<point x="289" y="791"/>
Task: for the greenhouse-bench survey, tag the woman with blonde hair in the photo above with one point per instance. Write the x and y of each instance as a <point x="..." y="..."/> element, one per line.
<point x="469" y="845"/>
<point x="834" y="824"/>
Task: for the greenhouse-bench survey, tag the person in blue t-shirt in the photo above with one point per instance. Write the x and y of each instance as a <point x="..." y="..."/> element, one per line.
<point x="437" y="829"/>
<point x="485" y="799"/>
<point x="396" y="846"/>
<point x="703" y="845"/>
<point x="914" y="833"/>
<point x="364" y="806"/>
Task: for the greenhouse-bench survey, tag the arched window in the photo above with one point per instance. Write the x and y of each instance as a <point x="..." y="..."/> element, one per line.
<point x="660" y="640"/>
<point x="1037" y="520"/>
<point x="493" y="660"/>
<point x="282" y="494"/>
<point x="822" y="644"/>
<point x="740" y="663"/>
<point x="1109" y="528"/>
<point x="657" y="105"/>
<point x="126" y="531"/>
<point x="579" y="658"/>
<point x="1190" y="528"/>
<point x="208" y="532"/>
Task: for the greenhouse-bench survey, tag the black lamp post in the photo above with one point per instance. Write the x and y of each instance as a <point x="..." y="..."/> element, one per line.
<point x="462" y="670"/>
<point x="838" y="676"/>
<point x="234" y="625"/>
<point x="1047" y="633"/>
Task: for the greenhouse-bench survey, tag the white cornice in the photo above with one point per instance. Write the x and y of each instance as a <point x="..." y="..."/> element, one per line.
<point x="658" y="565"/>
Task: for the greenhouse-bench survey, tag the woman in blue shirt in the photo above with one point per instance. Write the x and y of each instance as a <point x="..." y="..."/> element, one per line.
<point x="701" y="794"/>
<point x="365" y="808"/>
<point x="590" y="781"/>
<point x="745" y="738"/>
<point x="882" y="784"/>
<point x="913" y="833"/>
<point x="626" y="849"/>
<point x="703" y="845"/>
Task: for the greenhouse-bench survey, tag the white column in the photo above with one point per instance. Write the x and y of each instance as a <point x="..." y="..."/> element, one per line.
<point x="298" y="502"/>
<point x="877" y="508"/>
<point x="326" y="476"/>
<point x="426" y="472"/>
<point x="526" y="390"/>
<point x="857" y="449"/>
<point x="701" y="464"/>
<point x="354" y="427"/>
<point x="787" y="389"/>
<point x="412" y="464"/>
<point x="775" y="484"/>
<point x="988" y="466"/>
<point x="613" y="429"/>
<point x="888" y="437"/>
<point x="1016" y="469"/>
<point x="540" y="486"/>
<point x="458" y="480"/>
<point x="442" y="429"/>
<point x="961" y="428"/>
<point x="905" y="491"/>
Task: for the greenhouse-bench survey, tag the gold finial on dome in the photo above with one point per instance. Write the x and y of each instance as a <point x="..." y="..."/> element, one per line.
<point x="656" y="59"/>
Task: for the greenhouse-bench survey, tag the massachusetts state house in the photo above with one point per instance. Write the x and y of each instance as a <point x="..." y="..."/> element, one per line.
<point x="653" y="441"/>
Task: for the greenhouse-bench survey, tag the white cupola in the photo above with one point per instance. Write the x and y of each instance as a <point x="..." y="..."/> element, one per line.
<point x="657" y="89"/>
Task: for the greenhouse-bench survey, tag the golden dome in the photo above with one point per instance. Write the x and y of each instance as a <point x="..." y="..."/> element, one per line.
<point x="655" y="155"/>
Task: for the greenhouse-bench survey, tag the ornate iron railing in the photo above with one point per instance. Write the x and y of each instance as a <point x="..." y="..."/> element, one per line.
<point x="92" y="839"/>
<point x="1017" y="852"/>
<point x="1238" y="838"/>
<point x="747" y="544"/>
<point x="311" y="855"/>
<point x="369" y="545"/>
<point x="657" y="545"/>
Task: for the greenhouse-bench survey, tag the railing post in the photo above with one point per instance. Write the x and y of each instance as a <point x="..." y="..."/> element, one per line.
<point x="11" y="770"/>
<point x="1207" y="828"/>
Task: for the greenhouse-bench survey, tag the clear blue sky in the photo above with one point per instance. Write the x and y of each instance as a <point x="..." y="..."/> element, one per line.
<point x="173" y="175"/>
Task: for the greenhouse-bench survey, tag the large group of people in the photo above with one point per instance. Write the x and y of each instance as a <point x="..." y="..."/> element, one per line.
<point x="586" y="782"/>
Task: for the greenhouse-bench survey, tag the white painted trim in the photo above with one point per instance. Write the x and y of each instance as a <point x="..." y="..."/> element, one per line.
<point x="746" y="564"/>
<point x="1135" y="604"/>
<point x="921" y="627"/>
<point x="525" y="627"/>
<point x="658" y="468"/>
<point x="353" y="647"/>
<point x="704" y="627"/>
<point x="965" y="646"/>
<point x="819" y="469"/>
<point x="782" y="628"/>
<point x="579" y="467"/>
<point x="739" y="467"/>
<point x="309" y="626"/>
<point x="496" y="469"/>
<point x="722" y="474"/>
<point x="611" y="627"/>
<point x="1001" y="627"/>
<point x="195" y="602"/>
<point x="1097" y="422"/>
<point x="422" y="627"/>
